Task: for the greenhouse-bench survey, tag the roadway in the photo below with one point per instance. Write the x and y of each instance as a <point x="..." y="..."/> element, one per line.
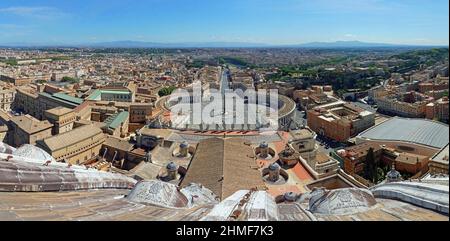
<point x="365" y="106"/>
<point x="322" y="142"/>
<point x="224" y="83"/>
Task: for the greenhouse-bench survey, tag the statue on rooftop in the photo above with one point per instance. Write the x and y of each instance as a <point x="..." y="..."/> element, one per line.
<point x="288" y="151"/>
<point x="148" y="157"/>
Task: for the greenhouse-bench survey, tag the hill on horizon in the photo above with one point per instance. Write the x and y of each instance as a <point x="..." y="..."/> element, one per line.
<point x="143" y="44"/>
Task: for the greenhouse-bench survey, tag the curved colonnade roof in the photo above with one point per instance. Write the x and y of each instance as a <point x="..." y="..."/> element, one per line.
<point x="287" y="108"/>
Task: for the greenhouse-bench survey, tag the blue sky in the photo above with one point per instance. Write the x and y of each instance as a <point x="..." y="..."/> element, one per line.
<point x="261" y="21"/>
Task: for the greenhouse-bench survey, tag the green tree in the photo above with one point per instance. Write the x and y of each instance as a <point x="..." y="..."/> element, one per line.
<point x="70" y="80"/>
<point x="41" y="81"/>
<point x="166" y="91"/>
<point x="234" y="61"/>
<point x="196" y="64"/>
<point x="381" y="175"/>
<point x="12" y="62"/>
<point x="370" y="166"/>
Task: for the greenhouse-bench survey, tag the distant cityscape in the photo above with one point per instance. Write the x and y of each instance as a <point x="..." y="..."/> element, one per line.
<point x="351" y="122"/>
<point x="190" y="112"/>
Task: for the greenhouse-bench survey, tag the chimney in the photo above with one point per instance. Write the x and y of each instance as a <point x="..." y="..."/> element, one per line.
<point x="290" y="197"/>
<point x="274" y="172"/>
<point x="184" y="149"/>
<point x="148" y="157"/>
<point x="264" y="150"/>
<point x="172" y="171"/>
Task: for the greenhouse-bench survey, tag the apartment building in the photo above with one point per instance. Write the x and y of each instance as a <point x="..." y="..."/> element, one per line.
<point x="7" y="98"/>
<point x="339" y="121"/>
<point x="62" y="119"/>
<point x="76" y="146"/>
<point x="117" y="124"/>
<point x="35" y="103"/>
<point x="140" y="113"/>
<point x="28" y="130"/>
<point x="438" y="110"/>
<point x="410" y="104"/>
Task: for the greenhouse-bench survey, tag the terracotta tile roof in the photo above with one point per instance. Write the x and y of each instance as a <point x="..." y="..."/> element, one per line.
<point x="72" y="137"/>
<point x="85" y="104"/>
<point x="58" y="111"/>
<point x="5" y="116"/>
<point x="30" y="124"/>
<point x="224" y="166"/>
<point x="118" y="144"/>
<point x="164" y="133"/>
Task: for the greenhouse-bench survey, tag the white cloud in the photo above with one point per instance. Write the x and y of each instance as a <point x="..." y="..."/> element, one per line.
<point x="34" y="12"/>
